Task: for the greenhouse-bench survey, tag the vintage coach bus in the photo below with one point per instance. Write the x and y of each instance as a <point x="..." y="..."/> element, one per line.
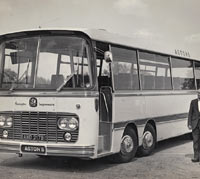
<point x="89" y="93"/>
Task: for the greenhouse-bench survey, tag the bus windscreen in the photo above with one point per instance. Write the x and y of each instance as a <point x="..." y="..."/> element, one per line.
<point x="45" y="62"/>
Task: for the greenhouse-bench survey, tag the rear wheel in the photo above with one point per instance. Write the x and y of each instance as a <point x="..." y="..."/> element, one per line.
<point x="149" y="141"/>
<point x="128" y="147"/>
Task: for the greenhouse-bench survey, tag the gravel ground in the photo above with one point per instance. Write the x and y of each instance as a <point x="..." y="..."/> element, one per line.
<point x="171" y="160"/>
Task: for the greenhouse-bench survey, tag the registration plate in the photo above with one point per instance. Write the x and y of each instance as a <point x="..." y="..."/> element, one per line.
<point x="33" y="149"/>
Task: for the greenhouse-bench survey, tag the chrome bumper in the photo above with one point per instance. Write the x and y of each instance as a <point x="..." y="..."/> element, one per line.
<point x="51" y="149"/>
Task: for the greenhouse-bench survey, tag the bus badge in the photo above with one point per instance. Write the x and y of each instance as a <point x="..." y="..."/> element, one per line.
<point x="33" y="102"/>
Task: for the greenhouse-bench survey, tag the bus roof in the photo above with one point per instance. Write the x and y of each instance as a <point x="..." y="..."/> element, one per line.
<point x="134" y="42"/>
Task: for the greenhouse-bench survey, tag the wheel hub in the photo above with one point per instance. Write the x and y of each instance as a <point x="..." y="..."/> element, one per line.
<point x="147" y="140"/>
<point x="127" y="144"/>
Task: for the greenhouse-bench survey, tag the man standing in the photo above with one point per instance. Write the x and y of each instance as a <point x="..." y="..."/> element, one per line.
<point x="194" y="124"/>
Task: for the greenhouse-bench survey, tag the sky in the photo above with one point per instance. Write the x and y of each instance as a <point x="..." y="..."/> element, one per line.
<point x="171" y="22"/>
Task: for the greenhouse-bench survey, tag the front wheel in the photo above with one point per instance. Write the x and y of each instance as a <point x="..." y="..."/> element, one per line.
<point x="129" y="145"/>
<point x="149" y="141"/>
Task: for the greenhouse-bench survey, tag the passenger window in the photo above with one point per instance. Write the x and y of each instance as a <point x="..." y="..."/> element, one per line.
<point x="182" y="72"/>
<point x="125" y="69"/>
<point x="154" y="71"/>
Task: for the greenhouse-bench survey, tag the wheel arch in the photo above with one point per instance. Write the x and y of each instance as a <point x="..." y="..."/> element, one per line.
<point x="134" y="127"/>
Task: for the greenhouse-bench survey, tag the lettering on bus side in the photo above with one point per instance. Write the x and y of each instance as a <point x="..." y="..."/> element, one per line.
<point x="182" y="53"/>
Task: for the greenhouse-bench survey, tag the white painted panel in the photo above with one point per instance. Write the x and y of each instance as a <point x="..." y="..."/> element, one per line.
<point x="126" y="108"/>
<point x="171" y="129"/>
<point x="167" y="104"/>
<point x="129" y="108"/>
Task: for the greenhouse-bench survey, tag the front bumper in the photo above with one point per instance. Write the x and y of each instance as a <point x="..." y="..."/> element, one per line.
<point x="51" y="149"/>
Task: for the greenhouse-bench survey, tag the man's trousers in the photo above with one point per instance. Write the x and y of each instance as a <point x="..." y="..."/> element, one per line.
<point x="196" y="142"/>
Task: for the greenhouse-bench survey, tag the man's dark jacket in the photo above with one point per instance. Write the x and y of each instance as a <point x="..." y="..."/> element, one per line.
<point x="194" y="114"/>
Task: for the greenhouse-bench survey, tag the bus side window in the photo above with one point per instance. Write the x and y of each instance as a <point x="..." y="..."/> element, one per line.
<point x="159" y="82"/>
<point x="125" y="69"/>
<point x="182" y="72"/>
<point x="154" y="71"/>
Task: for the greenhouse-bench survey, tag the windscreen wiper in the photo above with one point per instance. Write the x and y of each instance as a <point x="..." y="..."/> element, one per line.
<point x="14" y="84"/>
<point x="65" y="81"/>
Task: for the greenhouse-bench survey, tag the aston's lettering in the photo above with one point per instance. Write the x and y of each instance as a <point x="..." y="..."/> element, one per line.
<point x="41" y="104"/>
<point x="182" y="53"/>
<point x="20" y="104"/>
<point x="34" y="149"/>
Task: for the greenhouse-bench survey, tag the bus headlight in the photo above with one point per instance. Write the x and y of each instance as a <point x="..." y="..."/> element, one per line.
<point x="9" y="122"/>
<point x="73" y="124"/>
<point x="62" y="123"/>
<point x="68" y="123"/>
<point x="2" y="121"/>
<point x="6" y="121"/>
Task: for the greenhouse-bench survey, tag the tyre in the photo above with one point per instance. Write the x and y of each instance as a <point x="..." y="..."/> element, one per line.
<point x="128" y="149"/>
<point x="148" y="141"/>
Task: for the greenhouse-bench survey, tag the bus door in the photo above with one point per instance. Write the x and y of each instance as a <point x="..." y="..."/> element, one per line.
<point x="105" y="103"/>
<point x="105" y="114"/>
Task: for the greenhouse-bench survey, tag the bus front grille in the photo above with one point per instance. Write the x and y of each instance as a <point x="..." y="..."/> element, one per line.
<point x="37" y="127"/>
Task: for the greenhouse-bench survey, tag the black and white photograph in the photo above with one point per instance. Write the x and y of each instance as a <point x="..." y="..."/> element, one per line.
<point x="94" y="89"/>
